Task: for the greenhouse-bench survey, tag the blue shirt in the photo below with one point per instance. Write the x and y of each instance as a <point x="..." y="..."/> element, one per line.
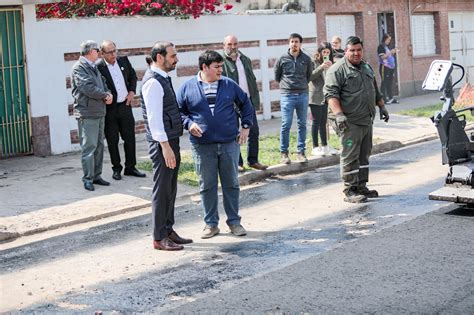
<point x="390" y="61"/>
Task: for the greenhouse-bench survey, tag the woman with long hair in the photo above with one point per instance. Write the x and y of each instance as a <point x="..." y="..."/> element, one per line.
<point x="322" y="60"/>
<point x="387" y="64"/>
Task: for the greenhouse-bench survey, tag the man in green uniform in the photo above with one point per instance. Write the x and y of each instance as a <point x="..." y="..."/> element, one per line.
<point x="352" y="94"/>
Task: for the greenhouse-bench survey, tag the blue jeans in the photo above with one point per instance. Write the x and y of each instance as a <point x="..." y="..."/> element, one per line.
<point x="213" y="160"/>
<point x="289" y="103"/>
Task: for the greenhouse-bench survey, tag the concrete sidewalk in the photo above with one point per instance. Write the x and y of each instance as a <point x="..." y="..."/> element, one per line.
<point x="40" y="194"/>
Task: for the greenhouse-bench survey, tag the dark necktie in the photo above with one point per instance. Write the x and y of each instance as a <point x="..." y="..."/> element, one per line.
<point x="171" y="83"/>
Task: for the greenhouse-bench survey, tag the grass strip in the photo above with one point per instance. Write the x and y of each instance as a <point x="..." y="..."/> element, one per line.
<point x="269" y="154"/>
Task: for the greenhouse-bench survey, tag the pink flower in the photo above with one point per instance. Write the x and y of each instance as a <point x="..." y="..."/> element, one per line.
<point x="156" y="5"/>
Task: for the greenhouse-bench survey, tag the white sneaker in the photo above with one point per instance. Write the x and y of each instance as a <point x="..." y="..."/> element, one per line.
<point x="328" y="150"/>
<point x="318" y="151"/>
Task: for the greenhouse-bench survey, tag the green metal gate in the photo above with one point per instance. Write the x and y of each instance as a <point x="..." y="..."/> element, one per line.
<point x="15" y="127"/>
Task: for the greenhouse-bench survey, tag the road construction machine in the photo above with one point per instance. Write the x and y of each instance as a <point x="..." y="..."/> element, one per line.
<point x="457" y="146"/>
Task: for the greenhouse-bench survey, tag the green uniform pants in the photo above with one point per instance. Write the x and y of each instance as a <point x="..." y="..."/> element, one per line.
<point x="91" y="135"/>
<point x="356" y="144"/>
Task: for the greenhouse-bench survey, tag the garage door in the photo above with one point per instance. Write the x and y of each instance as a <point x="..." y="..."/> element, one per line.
<point x="461" y="42"/>
<point x="341" y="25"/>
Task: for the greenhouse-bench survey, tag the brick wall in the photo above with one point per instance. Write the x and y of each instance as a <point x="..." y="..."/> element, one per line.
<point x="184" y="70"/>
<point x="139" y="128"/>
<point x="412" y="70"/>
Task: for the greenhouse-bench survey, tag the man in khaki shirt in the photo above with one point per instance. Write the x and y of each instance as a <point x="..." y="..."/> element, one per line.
<point x="352" y="94"/>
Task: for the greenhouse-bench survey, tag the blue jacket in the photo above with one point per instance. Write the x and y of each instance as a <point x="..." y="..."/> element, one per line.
<point x="224" y="125"/>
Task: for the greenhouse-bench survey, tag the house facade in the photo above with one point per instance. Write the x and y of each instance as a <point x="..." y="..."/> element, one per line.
<point x="423" y="31"/>
<point x="36" y="102"/>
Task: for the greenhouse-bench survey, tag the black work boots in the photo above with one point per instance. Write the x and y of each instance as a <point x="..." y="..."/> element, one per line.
<point x="369" y="193"/>
<point x="359" y="194"/>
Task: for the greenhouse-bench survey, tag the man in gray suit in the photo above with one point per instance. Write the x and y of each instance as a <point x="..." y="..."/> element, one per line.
<point x="90" y="94"/>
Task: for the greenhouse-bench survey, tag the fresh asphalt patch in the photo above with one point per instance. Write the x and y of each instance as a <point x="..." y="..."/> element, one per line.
<point x="420" y="266"/>
<point x="225" y="268"/>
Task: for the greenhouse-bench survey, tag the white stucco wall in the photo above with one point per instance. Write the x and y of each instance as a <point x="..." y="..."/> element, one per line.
<point x="47" y="41"/>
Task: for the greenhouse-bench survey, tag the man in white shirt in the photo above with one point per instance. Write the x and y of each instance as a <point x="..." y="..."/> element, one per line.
<point x="163" y="128"/>
<point x="238" y="67"/>
<point x="122" y="81"/>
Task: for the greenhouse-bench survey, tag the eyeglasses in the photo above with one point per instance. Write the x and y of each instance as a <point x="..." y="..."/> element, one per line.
<point x="110" y="52"/>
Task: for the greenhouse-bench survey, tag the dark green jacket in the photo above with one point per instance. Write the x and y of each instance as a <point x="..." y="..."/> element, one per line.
<point x="356" y="89"/>
<point x="230" y="71"/>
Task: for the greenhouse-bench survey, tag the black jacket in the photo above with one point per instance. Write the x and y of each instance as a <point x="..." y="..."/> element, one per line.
<point x="292" y="73"/>
<point x="128" y="74"/>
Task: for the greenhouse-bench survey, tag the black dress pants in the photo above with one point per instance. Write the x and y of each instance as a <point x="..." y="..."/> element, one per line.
<point x="387" y="76"/>
<point x="252" y="143"/>
<point x="119" y="121"/>
<point x="165" y="186"/>
<point x="319" y="115"/>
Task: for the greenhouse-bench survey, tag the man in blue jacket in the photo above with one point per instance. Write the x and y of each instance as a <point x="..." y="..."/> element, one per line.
<point x="206" y="103"/>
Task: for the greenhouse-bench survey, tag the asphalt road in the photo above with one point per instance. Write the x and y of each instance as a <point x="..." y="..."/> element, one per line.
<point x="423" y="266"/>
<point x="306" y="251"/>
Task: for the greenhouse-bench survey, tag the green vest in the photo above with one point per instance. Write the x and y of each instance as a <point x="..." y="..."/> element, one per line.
<point x="230" y="71"/>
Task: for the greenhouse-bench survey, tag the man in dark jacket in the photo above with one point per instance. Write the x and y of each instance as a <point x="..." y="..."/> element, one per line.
<point x="163" y="128"/>
<point x="206" y="103"/>
<point x="122" y="81"/>
<point x="90" y="94"/>
<point x="238" y="67"/>
<point x="293" y="71"/>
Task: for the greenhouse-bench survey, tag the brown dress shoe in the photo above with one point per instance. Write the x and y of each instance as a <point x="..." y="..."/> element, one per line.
<point x="259" y="166"/>
<point x="166" y="244"/>
<point x="178" y="239"/>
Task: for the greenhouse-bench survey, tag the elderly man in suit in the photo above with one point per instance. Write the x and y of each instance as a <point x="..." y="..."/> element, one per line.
<point x="90" y="94"/>
<point x="122" y="81"/>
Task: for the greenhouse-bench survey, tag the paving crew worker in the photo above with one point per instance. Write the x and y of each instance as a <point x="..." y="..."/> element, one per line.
<point x="352" y="94"/>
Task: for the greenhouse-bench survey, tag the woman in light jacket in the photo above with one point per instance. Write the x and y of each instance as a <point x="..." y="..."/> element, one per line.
<point x="322" y="60"/>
